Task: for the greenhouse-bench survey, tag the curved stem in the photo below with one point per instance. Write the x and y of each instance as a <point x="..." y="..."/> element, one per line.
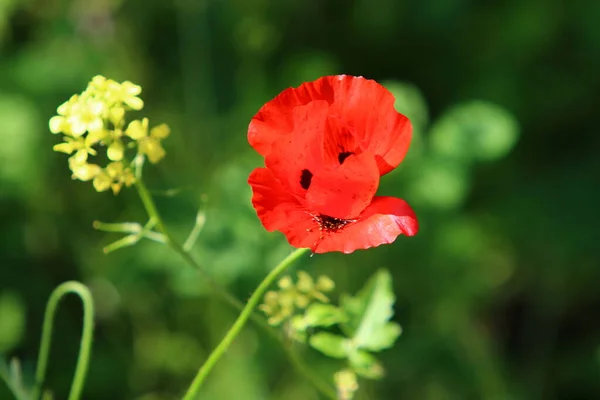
<point x="85" y="345"/>
<point x="152" y="211"/>
<point x="239" y="323"/>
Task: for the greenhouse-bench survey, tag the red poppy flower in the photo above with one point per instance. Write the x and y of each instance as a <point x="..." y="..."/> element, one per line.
<point x="361" y="107"/>
<point x="326" y="144"/>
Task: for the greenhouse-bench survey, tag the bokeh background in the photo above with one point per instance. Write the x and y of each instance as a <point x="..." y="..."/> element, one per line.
<point x="498" y="294"/>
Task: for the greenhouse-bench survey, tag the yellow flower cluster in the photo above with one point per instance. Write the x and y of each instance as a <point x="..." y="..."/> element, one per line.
<point x="282" y="304"/>
<point x="96" y="119"/>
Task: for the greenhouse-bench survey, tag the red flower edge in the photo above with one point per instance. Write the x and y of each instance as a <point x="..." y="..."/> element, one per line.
<point x="381" y="222"/>
<point x="360" y="106"/>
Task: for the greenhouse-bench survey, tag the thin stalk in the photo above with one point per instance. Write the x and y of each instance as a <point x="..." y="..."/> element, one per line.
<point x="85" y="345"/>
<point x="152" y="211"/>
<point x="237" y="326"/>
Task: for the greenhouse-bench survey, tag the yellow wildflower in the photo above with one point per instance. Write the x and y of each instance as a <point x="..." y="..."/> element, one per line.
<point x="97" y="136"/>
<point x="160" y="132"/>
<point x="116" y="150"/>
<point x="98" y="84"/>
<point x="102" y="182"/>
<point x="114" y="176"/>
<point x="86" y="115"/>
<point x="125" y="93"/>
<point x="82" y="170"/>
<point x="83" y="147"/>
<point x="120" y="176"/>
<point x="116" y="115"/>
<point x="97" y="117"/>
<point x="148" y="145"/>
<point x="137" y="129"/>
<point x="58" y="123"/>
<point x="78" y="115"/>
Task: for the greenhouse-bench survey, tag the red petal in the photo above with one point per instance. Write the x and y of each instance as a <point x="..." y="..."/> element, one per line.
<point x="380" y="223"/>
<point x="279" y="210"/>
<point x="346" y="191"/>
<point x="368" y="108"/>
<point x="363" y="106"/>
<point x="336" y="190"/>
<point x="275" y="118"/>
<point x="302" y="149"/>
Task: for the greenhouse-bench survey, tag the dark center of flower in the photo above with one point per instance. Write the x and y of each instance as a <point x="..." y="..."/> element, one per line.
<point x="305" y="179"/>
<point x="331" y="224"/>
<point x="343" y="155"/>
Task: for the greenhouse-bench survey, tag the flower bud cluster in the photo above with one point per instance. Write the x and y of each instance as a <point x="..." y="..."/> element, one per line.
<point x="281" y="305"/>
<point x="95" y="121"/>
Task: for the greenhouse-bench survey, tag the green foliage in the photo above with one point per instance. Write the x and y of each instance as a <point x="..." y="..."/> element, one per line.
<point x="293" y="296"/>
<point x="440" y="184"/>
<point x="12" y="376"/>
<point x="365" y="365"/>
<point x="367" y="328"/>
<point x="369" y="313"/>
<point x="364" y="320"/>
<point x="331" y="345"/>
<point x="323" y="315"/>
<point x="410" y="102"/>
<point x="12" y="321"/>
<point x="497" y="292"/>
<point x="20" y="134"/>
<point x="475" y="131"/>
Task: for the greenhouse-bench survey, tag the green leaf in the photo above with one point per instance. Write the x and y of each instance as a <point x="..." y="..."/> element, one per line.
<point x="323" y="315"/>
<point x="384" y="338"/>
<point x="365" y="365"/>
<point x="475" y="131"/>
<point x="329" y="344"/>
<point x="369" y="314"/>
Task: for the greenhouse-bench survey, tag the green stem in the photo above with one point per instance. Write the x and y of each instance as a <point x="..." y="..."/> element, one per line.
<point x="326" y="389"/>
<point x="193" y="236"/>
<point x="85" y="345"/>
<point x="239" y="323"/>
<point x="152" y="211"/>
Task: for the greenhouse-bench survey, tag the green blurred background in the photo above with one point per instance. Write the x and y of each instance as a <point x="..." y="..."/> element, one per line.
<point x="498" y="294"/>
